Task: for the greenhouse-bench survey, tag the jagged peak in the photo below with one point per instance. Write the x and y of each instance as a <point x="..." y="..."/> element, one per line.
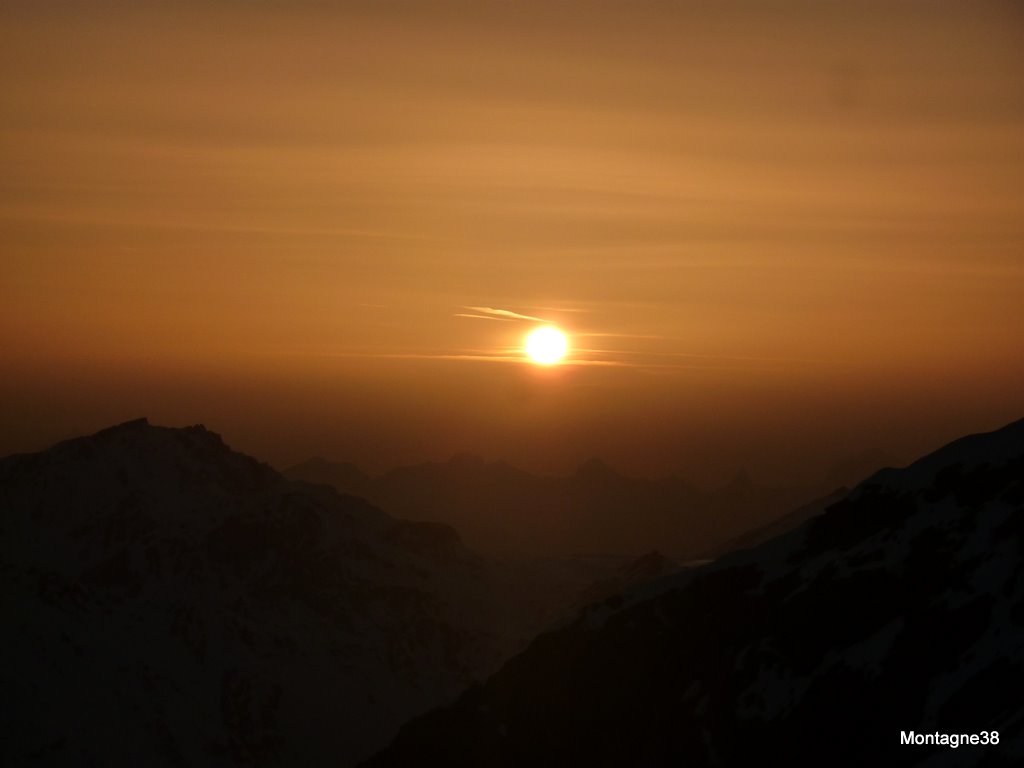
<point x="138" y="440"/>
<point x="142" y="424"/>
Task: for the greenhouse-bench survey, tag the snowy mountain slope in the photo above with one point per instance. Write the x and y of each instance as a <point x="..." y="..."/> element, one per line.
<point x="169" y="601"/>
<point x="899" y="609"/>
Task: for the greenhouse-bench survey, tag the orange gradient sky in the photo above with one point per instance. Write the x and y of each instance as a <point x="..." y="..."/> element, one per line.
<point x="777" y="233"/>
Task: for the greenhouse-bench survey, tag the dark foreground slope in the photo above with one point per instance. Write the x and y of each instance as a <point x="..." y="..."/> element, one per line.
<point x="901" y="608"/>
<point x="168" y="601"/>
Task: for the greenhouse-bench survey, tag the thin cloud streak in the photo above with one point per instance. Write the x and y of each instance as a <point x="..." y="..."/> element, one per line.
<point x="603" y="335"/>
<point x="500" y="359"/>
<point x="505" y="313"/>
<point x="482" y="317"/>
<point x="520" y="359"/>
<point x="695" y="356"/>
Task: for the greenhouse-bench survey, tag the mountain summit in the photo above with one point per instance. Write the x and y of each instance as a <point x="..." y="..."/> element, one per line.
<point x="900" y="609"/>
<point x="169" y="601"/>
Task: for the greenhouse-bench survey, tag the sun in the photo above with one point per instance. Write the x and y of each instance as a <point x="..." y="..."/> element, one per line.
<point x="546" y="345"/>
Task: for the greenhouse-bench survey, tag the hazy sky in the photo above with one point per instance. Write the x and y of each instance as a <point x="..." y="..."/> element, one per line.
<point x="777" y="232"/>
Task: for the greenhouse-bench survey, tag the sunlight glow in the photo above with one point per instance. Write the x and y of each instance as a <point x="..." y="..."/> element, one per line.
<point x="546" y="345"/>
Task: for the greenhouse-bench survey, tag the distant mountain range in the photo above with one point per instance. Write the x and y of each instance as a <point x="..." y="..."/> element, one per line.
<point x="499" y="508"/>
<point x="168" y="601"/>
<point x="898" y="610"/>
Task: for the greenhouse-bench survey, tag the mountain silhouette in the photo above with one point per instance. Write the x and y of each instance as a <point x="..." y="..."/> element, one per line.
<point x="900" y="608"/>
<point x="498" y="508"/>
<point x="850" y="470"/>
<point x="778" y="526"/>
<point x="169" y="601"/>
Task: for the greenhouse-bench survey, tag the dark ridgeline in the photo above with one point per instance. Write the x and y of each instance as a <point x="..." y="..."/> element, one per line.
<point x="499" y="508"/>
<point x="168" y="601"/>
<point x="901" y="608"/>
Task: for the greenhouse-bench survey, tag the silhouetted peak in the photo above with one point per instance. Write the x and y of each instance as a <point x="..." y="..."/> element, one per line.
<point x="132" y="425"/>
<point x="136" y="429"/>
<point x="851" y="469"/>
<point x="200" y="432"/>
<point x="836" y="602"/>
<point x="143" y="455"/>
<point x="986" y="448"/>
<point x="595" y="468"/>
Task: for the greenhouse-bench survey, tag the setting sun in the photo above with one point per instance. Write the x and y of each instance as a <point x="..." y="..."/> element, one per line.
<point x="547" y="345"/>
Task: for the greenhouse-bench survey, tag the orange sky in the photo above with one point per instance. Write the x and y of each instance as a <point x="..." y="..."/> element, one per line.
<point x="779" y="232"/>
